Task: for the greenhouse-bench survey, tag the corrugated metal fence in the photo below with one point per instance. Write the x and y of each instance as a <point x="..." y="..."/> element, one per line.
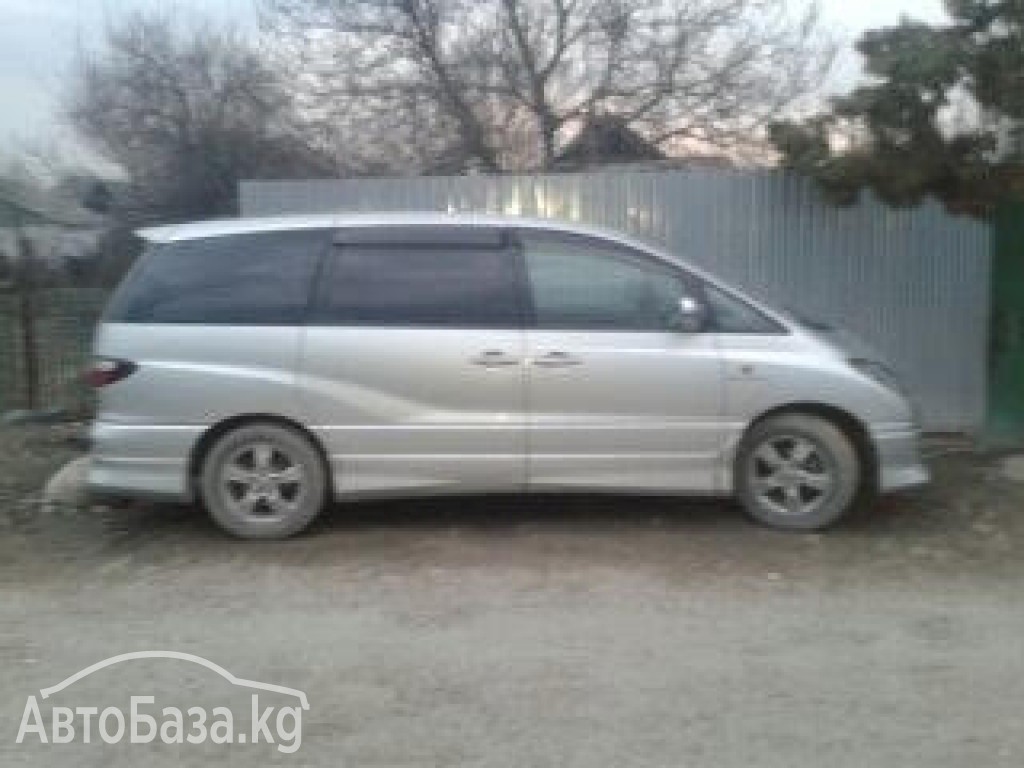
<point x="915" y="283"/>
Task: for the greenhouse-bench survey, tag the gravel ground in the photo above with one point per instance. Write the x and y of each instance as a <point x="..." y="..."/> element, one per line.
<point x="550" y="631"/>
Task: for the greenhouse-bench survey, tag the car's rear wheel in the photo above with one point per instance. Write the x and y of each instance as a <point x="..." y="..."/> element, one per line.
<point x="263" y="481"/>
<point x="798" y="472"/>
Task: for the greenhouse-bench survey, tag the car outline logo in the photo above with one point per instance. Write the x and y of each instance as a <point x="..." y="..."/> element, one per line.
<point x="134" y="655"/>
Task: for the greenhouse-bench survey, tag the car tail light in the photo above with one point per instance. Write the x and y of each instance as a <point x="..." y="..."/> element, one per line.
<point x="104" y="371"/>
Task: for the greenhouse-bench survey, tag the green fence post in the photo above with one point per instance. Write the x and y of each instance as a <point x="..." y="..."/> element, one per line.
<point x="1005" y="419"/>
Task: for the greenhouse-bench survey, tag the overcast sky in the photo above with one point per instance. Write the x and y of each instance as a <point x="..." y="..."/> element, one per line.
<point x="39" y="38"/>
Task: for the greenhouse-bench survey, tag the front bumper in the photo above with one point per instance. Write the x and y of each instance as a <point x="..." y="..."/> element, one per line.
<point x="900" y="465"/>
<point x="133" y="460"/>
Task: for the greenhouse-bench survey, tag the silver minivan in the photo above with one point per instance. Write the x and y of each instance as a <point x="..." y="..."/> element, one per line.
<point x="268" y="366"/>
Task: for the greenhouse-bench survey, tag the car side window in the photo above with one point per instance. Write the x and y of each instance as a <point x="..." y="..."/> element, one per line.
<point x="580" y="283"/>
<point x="248" y="279"/>
<point x="732" y="315"/>
<point x="428" y="285"/>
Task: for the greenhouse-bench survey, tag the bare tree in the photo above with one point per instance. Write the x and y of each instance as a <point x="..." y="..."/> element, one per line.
<point x="505" y="83"/>
<point x="186" y="113"/>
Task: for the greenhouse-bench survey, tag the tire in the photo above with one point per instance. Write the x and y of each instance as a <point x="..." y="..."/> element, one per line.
<point x="263" y="481"/>
<point x="797" y="472"/>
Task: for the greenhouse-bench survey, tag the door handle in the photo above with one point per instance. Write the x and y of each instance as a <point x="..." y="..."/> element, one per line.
<point x="494" y="358"/>
<point x="557" y="359"/>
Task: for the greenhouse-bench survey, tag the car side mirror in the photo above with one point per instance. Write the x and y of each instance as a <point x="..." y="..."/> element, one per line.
<point x="692" y="315"/>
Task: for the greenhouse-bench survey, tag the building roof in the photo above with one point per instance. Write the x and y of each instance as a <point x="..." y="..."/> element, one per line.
<point x="22" y="205"/>
<point x="605" y="140"/>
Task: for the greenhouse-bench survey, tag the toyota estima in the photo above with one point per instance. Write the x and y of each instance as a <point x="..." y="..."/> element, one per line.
<point x="268" y="366"/>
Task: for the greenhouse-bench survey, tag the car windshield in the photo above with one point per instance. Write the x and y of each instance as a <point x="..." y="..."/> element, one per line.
<point x="810" y="323"/>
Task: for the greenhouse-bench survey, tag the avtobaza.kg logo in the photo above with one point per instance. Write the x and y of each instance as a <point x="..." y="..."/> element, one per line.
<point x="144" y="721"/>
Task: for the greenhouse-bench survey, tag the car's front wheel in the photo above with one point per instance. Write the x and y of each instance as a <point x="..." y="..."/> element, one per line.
<point x="263" y="481"/>
<point x="798" y="472"/>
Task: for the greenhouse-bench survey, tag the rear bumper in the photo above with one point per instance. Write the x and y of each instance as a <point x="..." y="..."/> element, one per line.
<point x="900" y="465"/>
<point x="131" y="460"/>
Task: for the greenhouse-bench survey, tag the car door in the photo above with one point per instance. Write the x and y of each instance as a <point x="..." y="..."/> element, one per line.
<point x="412" y="366"/>
<point x="620" y="397"/>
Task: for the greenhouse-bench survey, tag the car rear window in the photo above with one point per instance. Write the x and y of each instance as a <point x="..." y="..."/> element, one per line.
<point x="250" y="279"/>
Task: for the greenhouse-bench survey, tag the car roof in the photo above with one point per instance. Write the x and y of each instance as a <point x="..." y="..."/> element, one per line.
<point x="215" y="228"/>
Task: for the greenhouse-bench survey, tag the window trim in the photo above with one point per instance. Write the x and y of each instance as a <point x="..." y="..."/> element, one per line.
<point x="429" y="235"/>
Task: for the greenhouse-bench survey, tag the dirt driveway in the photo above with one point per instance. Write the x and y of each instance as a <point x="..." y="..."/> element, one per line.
<point x="563" y="632"/>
